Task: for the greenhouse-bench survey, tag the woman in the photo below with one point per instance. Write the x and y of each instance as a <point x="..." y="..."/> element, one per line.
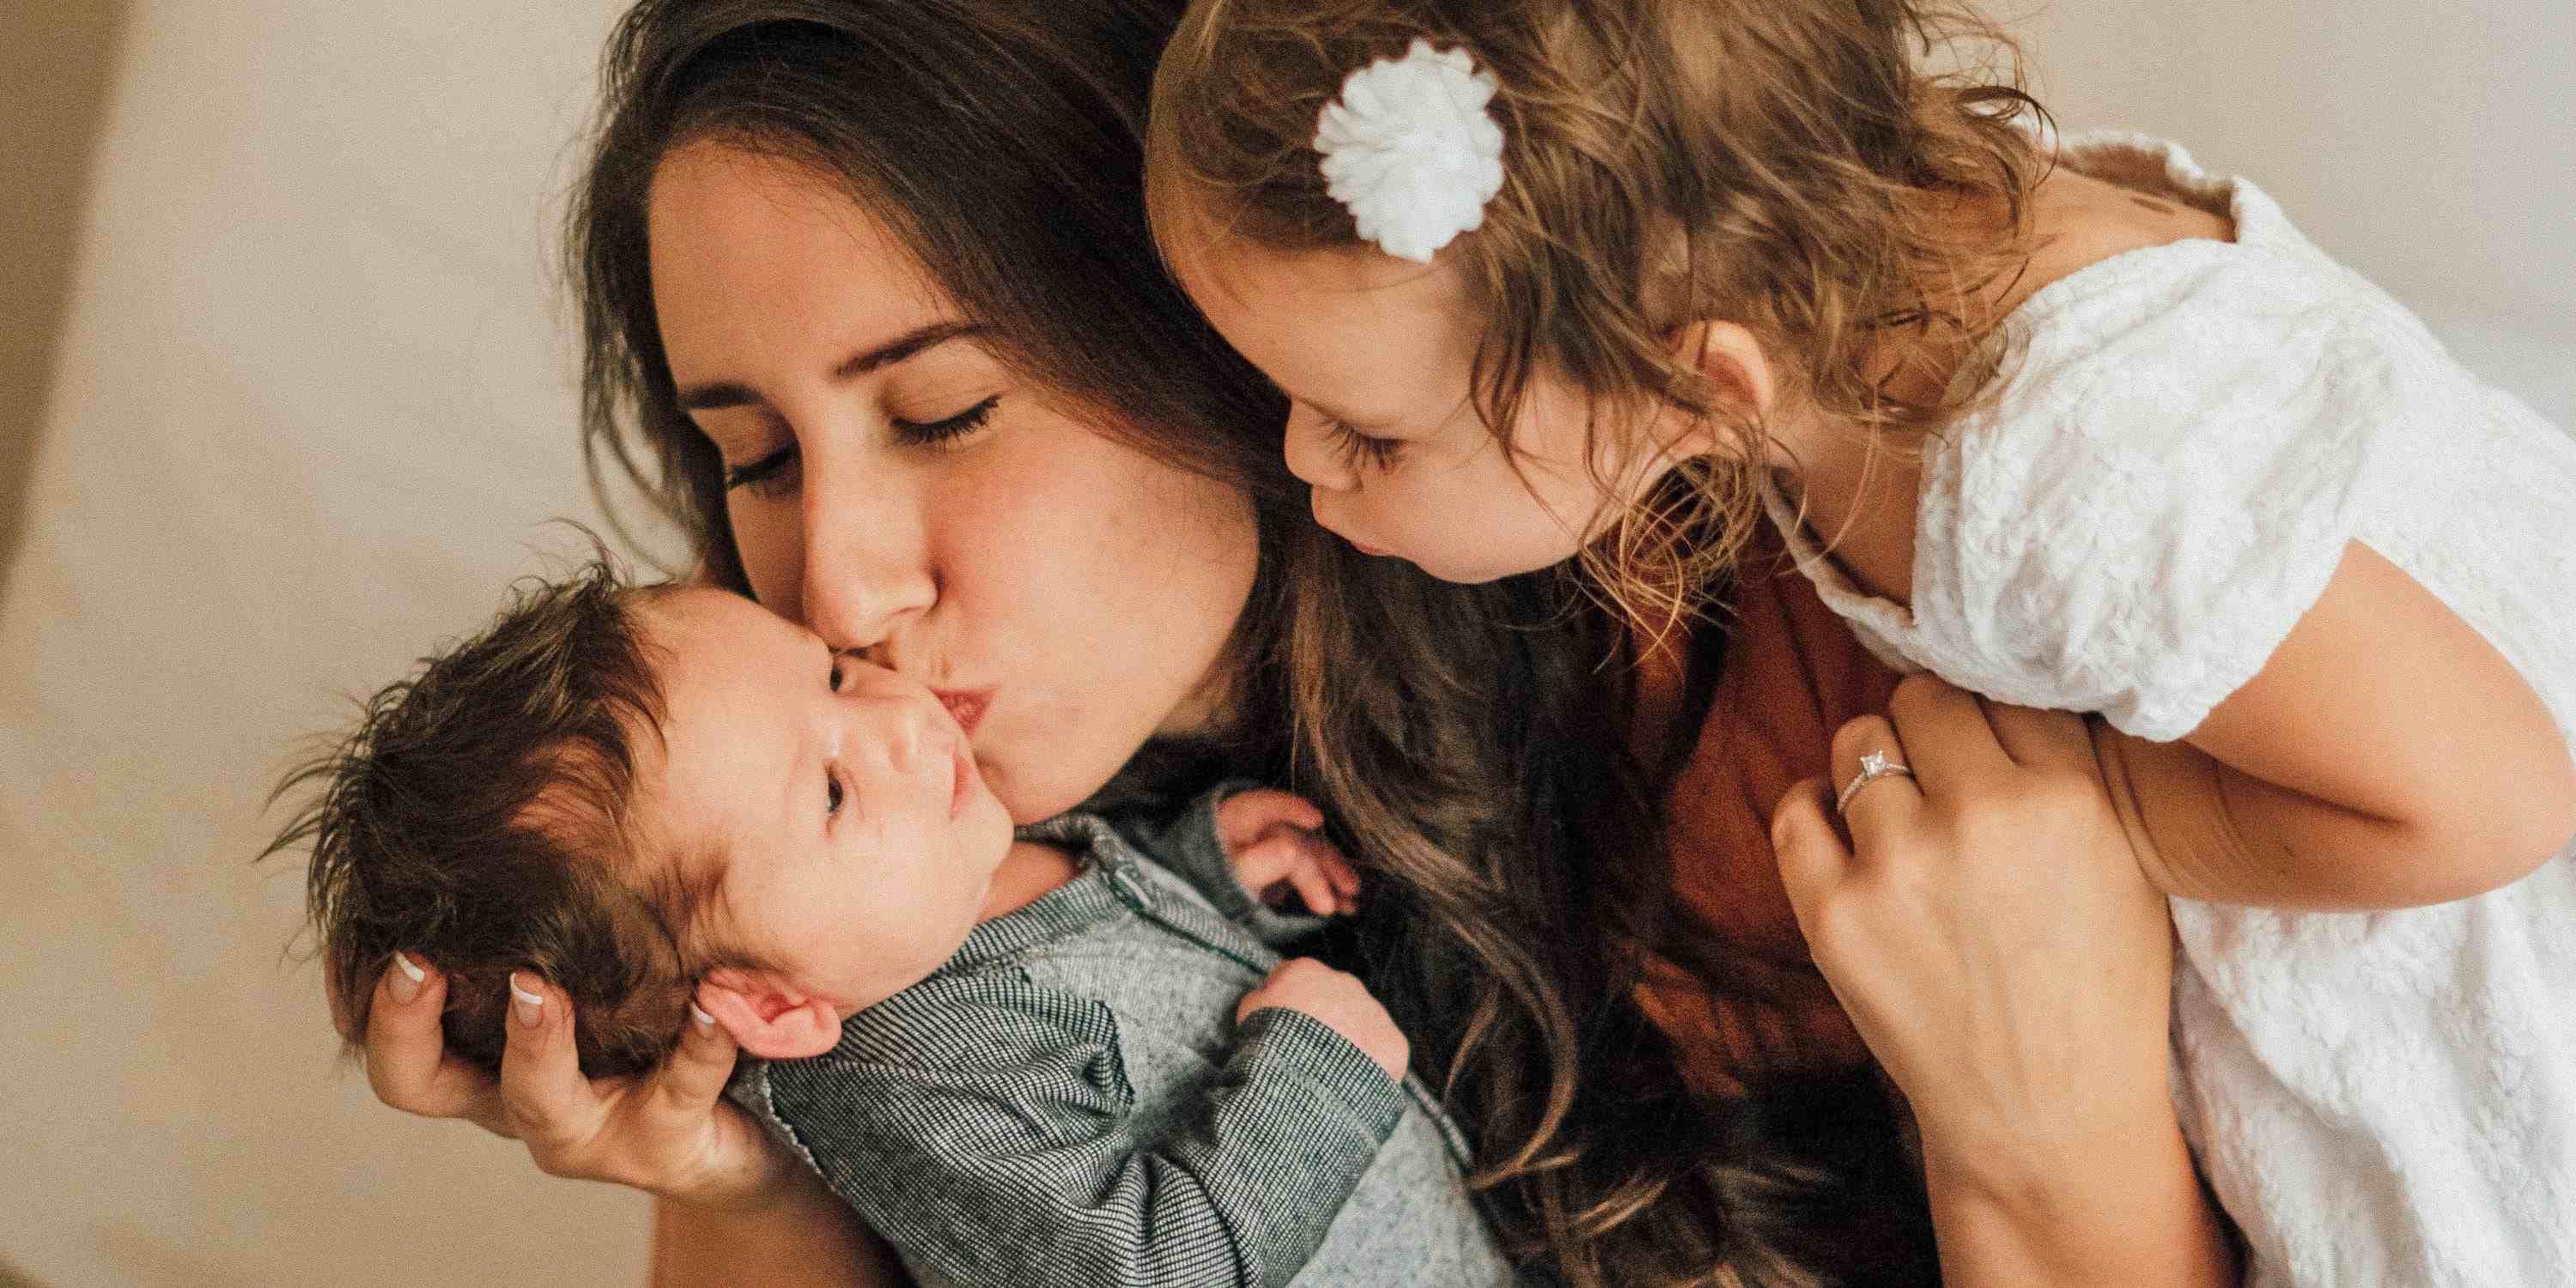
<point x="874" y="280"/>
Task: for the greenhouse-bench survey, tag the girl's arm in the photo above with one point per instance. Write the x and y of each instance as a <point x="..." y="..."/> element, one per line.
<point x="2385" y="756"/>
<point x="1989" y="932"/>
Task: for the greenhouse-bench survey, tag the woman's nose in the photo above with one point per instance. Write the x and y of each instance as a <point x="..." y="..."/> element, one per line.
<point x="1311" y="455"/>
<point x="866" y="561"/>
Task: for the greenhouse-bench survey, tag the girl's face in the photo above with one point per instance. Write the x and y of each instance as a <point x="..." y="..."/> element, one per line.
<point x="1376" y="355"/>
<point x="892" y="484"/>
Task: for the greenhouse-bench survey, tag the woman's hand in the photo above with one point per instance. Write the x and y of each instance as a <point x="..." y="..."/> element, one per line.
<point x="669" y="1133"/>
<point x="1989" y="930"/>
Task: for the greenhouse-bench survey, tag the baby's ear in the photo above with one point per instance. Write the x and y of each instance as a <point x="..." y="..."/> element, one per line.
<point x="767" y="1017"/>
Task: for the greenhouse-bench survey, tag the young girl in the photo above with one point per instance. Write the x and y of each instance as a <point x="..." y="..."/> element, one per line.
<point x="2083" y="427"/>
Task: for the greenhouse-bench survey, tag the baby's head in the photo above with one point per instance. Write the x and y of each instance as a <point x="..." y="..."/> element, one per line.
<point x="1706" y="217"/>
<point x="645" y="795"/>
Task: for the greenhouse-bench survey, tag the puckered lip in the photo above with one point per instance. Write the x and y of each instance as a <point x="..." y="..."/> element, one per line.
<point x="965" y="706"/>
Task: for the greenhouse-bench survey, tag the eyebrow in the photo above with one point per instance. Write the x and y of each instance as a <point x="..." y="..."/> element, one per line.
<point x="1363" y="425"/>
<point x="912" y="343"/>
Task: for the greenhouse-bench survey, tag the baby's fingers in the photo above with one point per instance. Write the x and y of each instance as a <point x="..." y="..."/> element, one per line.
<point x="1336" y="869"/>
<point x="1315" y="886"/>
<point x="1247" y="815"/>
<point x="407" y="1061"/>
<point x="1268" y="861"/>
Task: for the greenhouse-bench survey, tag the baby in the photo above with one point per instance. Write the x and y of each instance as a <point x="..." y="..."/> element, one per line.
<point x="1069" y="1056"/>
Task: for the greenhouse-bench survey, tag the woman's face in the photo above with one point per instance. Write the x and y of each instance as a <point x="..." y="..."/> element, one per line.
<point x="894" y="486"/>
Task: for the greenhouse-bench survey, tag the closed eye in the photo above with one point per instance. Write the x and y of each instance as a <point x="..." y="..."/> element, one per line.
<point x="769" y="474"/>
<point x="937" y="432"/>
<point x="1358" y="449"/>
<point x="765" y="475"/>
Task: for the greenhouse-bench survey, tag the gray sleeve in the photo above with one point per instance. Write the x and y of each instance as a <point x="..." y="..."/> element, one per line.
<point x="1187" y="844"/>
<point x="987" y="1132"/>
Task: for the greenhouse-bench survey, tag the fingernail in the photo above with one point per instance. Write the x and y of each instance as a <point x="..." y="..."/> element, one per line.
<point x="704" y="1020"/>
<point x="531" y="1007"/>
<point x="407" y="978"/>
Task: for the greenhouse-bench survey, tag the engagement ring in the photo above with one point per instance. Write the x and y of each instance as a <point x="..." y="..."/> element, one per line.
<point x="1873" y="764"/>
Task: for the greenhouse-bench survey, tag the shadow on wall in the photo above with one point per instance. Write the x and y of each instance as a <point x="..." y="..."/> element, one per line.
<point x="55" y="60"/>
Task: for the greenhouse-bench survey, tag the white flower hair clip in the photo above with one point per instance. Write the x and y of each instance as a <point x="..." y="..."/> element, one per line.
<point x="1411" y="151"/>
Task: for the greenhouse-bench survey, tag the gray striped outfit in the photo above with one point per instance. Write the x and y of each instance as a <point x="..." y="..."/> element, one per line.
<point x="1068" y="1101"/>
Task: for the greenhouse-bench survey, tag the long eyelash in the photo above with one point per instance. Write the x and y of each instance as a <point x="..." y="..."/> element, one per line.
<point x="919" y="434"/>
<point x="760" y="471"/>
<point x="1358" y="449"/>
<point x="935" y="432"/>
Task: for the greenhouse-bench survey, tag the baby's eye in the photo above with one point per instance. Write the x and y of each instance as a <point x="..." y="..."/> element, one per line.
<point x="834" y="683"/>
<point x="831" y="794"/>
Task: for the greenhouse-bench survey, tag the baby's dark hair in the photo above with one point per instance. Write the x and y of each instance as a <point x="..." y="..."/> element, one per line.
<point x="480" y="817"/>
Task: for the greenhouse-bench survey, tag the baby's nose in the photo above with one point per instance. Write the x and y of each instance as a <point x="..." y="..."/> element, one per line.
<point x="902" y="731"/>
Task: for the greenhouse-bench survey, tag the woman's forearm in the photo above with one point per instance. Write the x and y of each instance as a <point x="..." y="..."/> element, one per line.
<point x="2131" y="1211"/>
<point x="810" y="1239"/>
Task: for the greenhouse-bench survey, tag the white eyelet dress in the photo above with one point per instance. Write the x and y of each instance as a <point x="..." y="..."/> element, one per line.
<point x="2185" y="442"/>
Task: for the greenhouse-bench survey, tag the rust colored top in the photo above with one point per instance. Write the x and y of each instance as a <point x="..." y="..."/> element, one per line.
<point x="1792" y="675"/>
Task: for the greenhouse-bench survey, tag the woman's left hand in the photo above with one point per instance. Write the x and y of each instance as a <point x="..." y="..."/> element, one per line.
<point x="1989" y="930"/>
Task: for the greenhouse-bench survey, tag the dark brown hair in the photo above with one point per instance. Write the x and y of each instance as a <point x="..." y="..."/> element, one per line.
<point x="1466" y="740"/>
<point x="996" y="141"/>
<point x="478" y="815"/>
<point x="1796" y="166"/>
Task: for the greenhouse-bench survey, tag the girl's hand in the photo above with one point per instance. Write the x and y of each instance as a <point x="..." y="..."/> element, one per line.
<point x="1988" y="929"/>
<point x="669" y="1133"/>
<point x="1275" y="843"/>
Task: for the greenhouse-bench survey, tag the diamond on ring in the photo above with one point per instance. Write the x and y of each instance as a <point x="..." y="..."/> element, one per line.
<point x="1873" y="765"/>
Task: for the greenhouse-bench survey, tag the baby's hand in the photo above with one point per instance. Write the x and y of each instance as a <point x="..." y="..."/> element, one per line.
<point x="1337" y="999"/>
<point x="1272" y="840"/>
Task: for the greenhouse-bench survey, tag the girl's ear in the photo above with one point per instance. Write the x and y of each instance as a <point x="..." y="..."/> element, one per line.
<point x="768" y="1017"/>
<point x="1731" y="360"/>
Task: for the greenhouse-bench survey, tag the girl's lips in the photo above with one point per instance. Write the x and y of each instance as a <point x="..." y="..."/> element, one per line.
<point x="965" y="706"/>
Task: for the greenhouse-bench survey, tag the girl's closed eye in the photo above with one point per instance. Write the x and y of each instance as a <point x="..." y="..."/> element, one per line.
<point x="1358" y="449"/>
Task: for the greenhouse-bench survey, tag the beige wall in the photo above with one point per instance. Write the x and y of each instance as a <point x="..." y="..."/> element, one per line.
<point x="2432" y="147"/>
<point x="299" y="404"/>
